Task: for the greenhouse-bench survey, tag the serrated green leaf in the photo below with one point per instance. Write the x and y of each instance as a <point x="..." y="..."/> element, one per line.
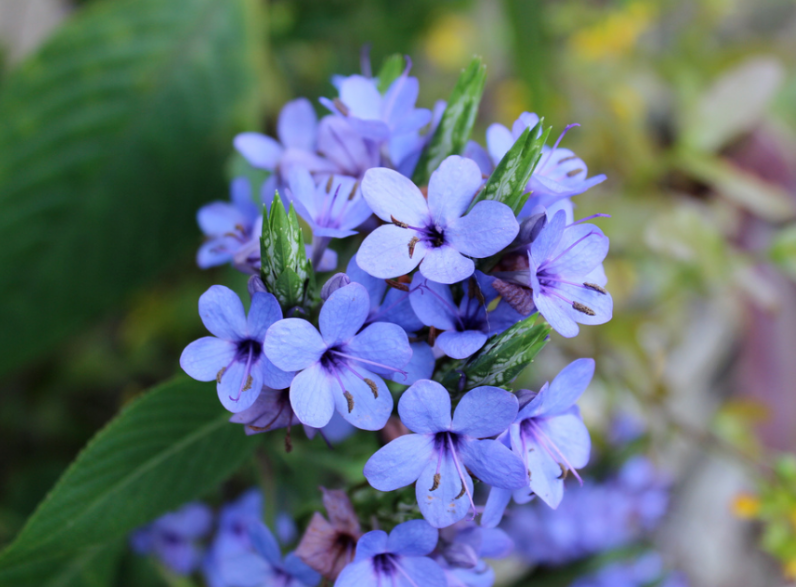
<point x="167" y="447"/>
<point x="457" y="121"/>
<point x="508" y="182"/>
<point x="391" y="70"/>
<point x="112" y="136"/>
<point x="502" y="357"/>
<point x="289" y="289"/>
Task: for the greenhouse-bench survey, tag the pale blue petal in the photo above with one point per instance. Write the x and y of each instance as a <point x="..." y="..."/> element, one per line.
<point x="498" y="141"/>
<point x="413" y="538"/>
<point x="265" y="543"/>
<point x="218" y="218"/>
<point x="297" y="125"/>
<point x="414" y="120"/>
<point x="433" y="304"/>
<point x="390" y="194"/>
<point x="549" y="237"/>
<point x="420" y="366"/>
<point x="582" y="248"/>
<point x="425" y="407"/>
<point x="563" y="392"/>
<point x="383" y="343"/>
<point x="301" y="192"/>
<point x="546" y="477"/>
<point x="311" y="396"/>
<point x="217" y="251"/>
<point x="344" y="147"/>
<point x="298" y="569"/>
<point x="481" y="576"/>
<point x="485" y="411"/>
<point x="259" y="150"/>
<point x="420" y="570"/>
<point x="554" y="310"/>
<point x="451" y="189"/>
<point x="273" y="376"/>
<point x="460" y="345"/>
<point x="364" y="409"/>
<point x="601" y="303"/>
<point x="360" y="574"/>
<point x="495" y="506"/>
<point x="487" y="229"/>
<point x="376" y="287"/>
<point x="445" y="264"/>
<point x="371" y="544"/>
<point x="477" y="153"/>
<point x="400" y="462"/>
<point x="493" y="463"/>
<point x="495" y="543"/>
<point x="447" y="504"/>
<point x="264" y="311"/>
<point x="397" y="309"/>
<point x="222" y="313"/>
<point x="235" y="393"/>
<point x="343" y="314"/>
<point x="385" y="252"/>
<point x="293" y="344"/>
<point x="361" y="97"/>
<point x="373" y="130"/>
<point x="570" y="437"/>
<point x="204" y="358"/>
<point x="241" y="195"/>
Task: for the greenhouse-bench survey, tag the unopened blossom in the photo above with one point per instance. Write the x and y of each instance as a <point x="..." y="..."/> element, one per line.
<point x="443" y="452"/>
<point x="335" y="365"/>
<point x="550" y="438"/>
<point x="329" y="545"/>
<point x="465" y="326"/>
<point x="435" y="232"/>
<point x="234" y="355"/>
<point x="227" y="226"/>
<point x="173" y="537"/>
<point x="398" y="558"/>
<point x="297" y="129"/>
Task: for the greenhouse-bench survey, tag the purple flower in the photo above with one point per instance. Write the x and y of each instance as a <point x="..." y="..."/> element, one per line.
<point x="297" y="129"/>
<point x="234" y="356"/>
<point x="434" y="231"/>
<point x="550" y="438"/>
<point x="461" y="549"/>
<point x="641" y="572"/>
<point x="264" y="565"/>
<point x="343" y="146"/>
<point x="334" y="208"/>
<point x="227" y="226"/>
<point x="444" y="452"/>
<point x="172" y="537"/>
<point x="397" y="559"/>
<point x="336" y="363"/>
<point x="467" y="326"/>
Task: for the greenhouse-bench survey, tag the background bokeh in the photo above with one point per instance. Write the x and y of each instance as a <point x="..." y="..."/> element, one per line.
<point x="112" y="134"/>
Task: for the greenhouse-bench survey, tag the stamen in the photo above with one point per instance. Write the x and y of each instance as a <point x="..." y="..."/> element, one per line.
<point x="329" y="183"/>
<point x="412" y="244"/>
<point x="269" y="424"/>
<point x="596" y="288"/>
<point x="350" y="399"/>
<point x="437" y="477"/>
<point x="433" y="333"/>
<point x="397" y="285"/>
<point x="404" y="573"/>
<point x="353" y="191"/>
<point x="372" y="385"/>
<point x="562" y="253"/>
<point x="462" y="492"/>
<point x="593" y="216"/>
<point x="454" y="311"/>
<point x="220" y="374"/>
<point x="461" y="477"/>
<point x="397" y="222"/>
<point x="338" y="103"/>
<point x="584" y="309"/>
<point x="247" y="375"/>
<point x="553" y="150"/>
<point x="367" y="362"/>
<point x="546" y="443"/>
<point x="574" y="172"/>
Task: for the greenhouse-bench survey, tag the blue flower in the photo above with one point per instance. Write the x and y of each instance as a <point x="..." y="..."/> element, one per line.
<point x="461" y="551"/>
<point x="398" y="559"/>
<point x="444" y="451"/>
<point x="234" y="356"/>
<point x="172" y="537"/>
<point x="227" y="226"/>
<point x="643" y="571"/>
<point x="435" y="231"/>
<point x="467" y="326"/>
<point x="297" y="129"/>
<point x="550" y="438"/>
<point x="336" y="363"/>
<point x="346" y="148"/>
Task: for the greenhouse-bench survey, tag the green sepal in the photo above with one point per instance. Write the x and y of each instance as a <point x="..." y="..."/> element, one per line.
<point x="457" y="121"/>
<point x="502" y="358"/>
<point x="508" y="183"/>
<point x="391" y="70"/>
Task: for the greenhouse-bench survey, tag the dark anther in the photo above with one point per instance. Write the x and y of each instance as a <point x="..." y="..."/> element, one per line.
<point x="248" y="383"/>
<point x="397" y="222"/>
<point x="350" y="399"/>
<point x="220" y="374"/>
<point x="288" y="441"/>
<point x="329" y="183"/>
<point x="574" y="172"/>
<point x="373" y="388"/>
<point x="353" y="190"/>
<point x="462" y="492"/>
<point x="583" y="309"/>
<point x="412" y="244"/>
<point x="432" y="335"/>
<point x="397" y="284"/>
<point x="436" y="482"/>
<point x="595" y="287"/>
<point x="341" y="107"/>
<point x="564" y="471"/>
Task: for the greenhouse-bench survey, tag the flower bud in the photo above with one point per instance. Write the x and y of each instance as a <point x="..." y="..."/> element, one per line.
<point x="335" y="282"/>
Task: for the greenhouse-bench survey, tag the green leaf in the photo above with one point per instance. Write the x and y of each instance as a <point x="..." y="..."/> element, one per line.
<point x="112" y="136"/>
<point x="289" y="289"/>
<point x="502" y="357"/>
<point x="783" y="250"/>
<point x="95" y="566"/>
<point x="391" y="70"/>
<point x="457" y="121"/>
<point x="167" y="447"/>
<point x="508" y="183"/>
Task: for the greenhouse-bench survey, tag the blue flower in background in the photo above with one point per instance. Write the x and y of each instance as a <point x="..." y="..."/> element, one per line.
<point x="398" y="559"/>
<point x="172" y="538"/>
<point x="234" y="356"/>
<point x="644" y="571"/>
<point x="461" y="551"/>
<point x="227" y="226"/>
<point x="436" y="231"/>
<point x="336" y="364"/>
<point x="444" y="451"/>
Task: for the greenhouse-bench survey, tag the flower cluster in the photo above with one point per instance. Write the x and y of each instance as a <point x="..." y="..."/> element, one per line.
<point x="461" y="256"/>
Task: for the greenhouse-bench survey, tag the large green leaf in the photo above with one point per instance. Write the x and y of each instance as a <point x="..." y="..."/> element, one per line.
<point x="94" y="566"/>
<point x="166" y="448"/>
<point x="111" y="137"/>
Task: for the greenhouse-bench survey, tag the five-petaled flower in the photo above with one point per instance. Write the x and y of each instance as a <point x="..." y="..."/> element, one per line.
<point x="234" y="356"/>
<point x="444" y="451"/>
<point x="397" y="559"/>
<point x="436" y="231"/>
<point x="336" y="364"/>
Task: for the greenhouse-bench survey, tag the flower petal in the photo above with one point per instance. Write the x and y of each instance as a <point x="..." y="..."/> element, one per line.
<point x="299" y="569"/>
<point x="602" y="304"/>
<point x="381" y="342"/>
<point x="293" y="344"/>
<point x="445" y="264"/>
<point x="311" y="396"/>
<point x="582" y="248"/>
<point x="433" y="303"/>
<point x="361" y="97"/>
<point x="364" y="408"/>
<point x="554" y="310"/>
<point x="376" y="287"/>
<point x="487" y="229"/>
<point x="495" y="543"/>
<point x="400" y="462"/>
<point x="498" y="141"/>
<point x="420" y="570"/>
<point x="263" y="312"/>
<point x="563" y="392"/>
<point x="238" y="391"/>
<point x="259" y="150"/>
<point x="485" y="411"/>
<point x="425" y="407"/>
<point x="451" y="189"/>
<point x="493" y="463"/>
<point x="273" y="376"/>
<point x="222" y="313"/>
<point x="343" y="146"/>
<point x="297" y="125"/>
<point x="420" y="366"/>
<point x="570" y="436"/>
<point x="443" y="501"/>
<point x="388" y="193"/>
<point x="460" y="345"/>
<point x="477" y="153"/>
<point x="270" y="411"/>
<point x="357" y="575"/>
<point x="371" y="544"/>
<point x="397" y="309"/>
<point x="385" y="252"/>
<point x="495" y="506"/>
<point x="265" y="543"/>
<point x="548" y="238"/>
<point x="413" y="538"/>
<point x="546" y="479"/>
<point x="204" y="358"/>
<point x="219" y="218"/>
<point x="343" y="314"/>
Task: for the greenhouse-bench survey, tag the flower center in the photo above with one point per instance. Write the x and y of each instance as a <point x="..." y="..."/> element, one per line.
<point x="248" y="346"/>
<point x="433" y="235"/>
<point x="384" y="564"/>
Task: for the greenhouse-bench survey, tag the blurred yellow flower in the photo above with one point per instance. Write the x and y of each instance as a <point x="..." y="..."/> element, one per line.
<point x="614" y="35"/>
<point x="745" y="506"/>
<point x="511" y="99"/>
<point x="448" y="44"/>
